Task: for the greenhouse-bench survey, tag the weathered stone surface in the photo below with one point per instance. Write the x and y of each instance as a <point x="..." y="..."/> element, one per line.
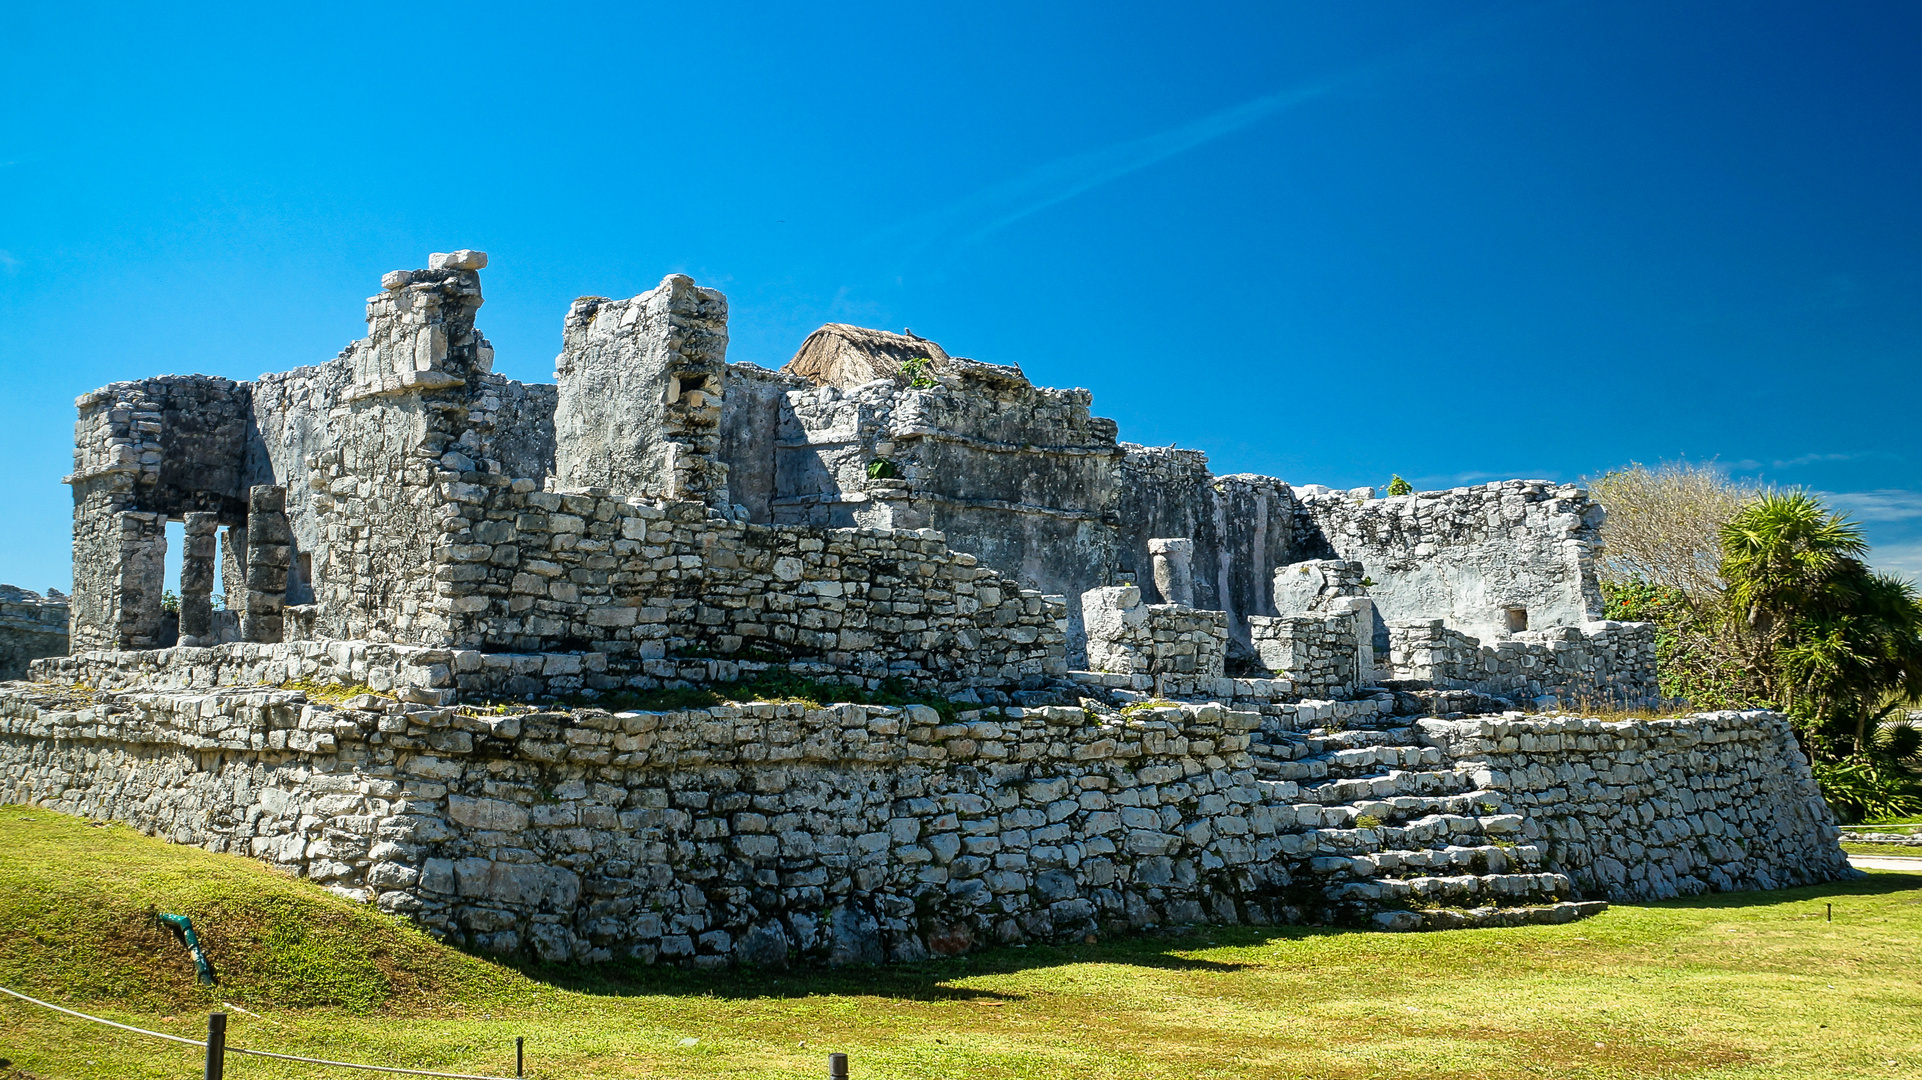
<point x="863" y="834"/>
<point x="31" y="626"/>
<point x="403" y="520"/>
<point x="641" y="383"/>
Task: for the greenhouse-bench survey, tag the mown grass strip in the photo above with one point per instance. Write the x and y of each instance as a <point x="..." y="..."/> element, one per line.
<point x="1738" y="985"/>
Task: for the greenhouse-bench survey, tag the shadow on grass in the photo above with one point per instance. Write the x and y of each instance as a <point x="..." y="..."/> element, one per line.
<point x="1878" y="883"/>
<point x="936" y="980"/>
<point x="928" y="980"/>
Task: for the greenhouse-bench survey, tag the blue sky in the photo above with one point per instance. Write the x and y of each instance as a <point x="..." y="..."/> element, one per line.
<point x="1327" y="242"/>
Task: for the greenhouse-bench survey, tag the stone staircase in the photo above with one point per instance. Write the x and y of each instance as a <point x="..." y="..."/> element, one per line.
<point x="1397" y="836"/>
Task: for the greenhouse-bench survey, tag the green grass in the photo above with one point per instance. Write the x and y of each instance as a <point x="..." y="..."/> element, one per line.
<point x="1889" y="825"/>
<point x="1739" y="985"/>
<point x="1913" y="852"/>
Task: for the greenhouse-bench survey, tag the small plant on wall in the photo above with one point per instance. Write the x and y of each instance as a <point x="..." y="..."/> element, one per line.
<point x="1398" y="486"/>
<point x="916" y="371"/>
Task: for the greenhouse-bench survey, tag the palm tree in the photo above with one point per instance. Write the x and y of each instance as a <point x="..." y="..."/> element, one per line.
<point x="1778" y="551"/>
<point x="1835" y="642"/>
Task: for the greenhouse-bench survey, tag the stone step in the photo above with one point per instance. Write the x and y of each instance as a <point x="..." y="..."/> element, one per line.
<point x="1389" y="785"/>
<point x="1361" y="761"/>
<point x="1565" y="911"/>
<point x="1428" y="862"/>
<point x="1462" y="890"/>
<point x="1323" y="740"/>
<point x="1430" y="830"/>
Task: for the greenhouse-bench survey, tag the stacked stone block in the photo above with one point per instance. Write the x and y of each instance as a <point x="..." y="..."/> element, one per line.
<point x="420" y="330"/>
<point x="269" y="552"/>
<point x="199" y="541"/>
<point x="1175" y="651"/>
<point x="764" y="832"/>
<point x="641" y="386"/>
<point x="1604" y="663"/>
<point x="645" y="585"/>
<point x="31" y="626"/>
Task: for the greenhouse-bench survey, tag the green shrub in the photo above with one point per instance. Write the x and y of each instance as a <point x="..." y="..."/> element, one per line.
<point x="1862" y="788"/>
<point x="1398" y="486"/>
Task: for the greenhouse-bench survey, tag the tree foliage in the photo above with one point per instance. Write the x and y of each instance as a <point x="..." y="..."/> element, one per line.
<point x="1664" y="525"/>
<point x="1766" y="599"/>
<point x="1835" y="642"/>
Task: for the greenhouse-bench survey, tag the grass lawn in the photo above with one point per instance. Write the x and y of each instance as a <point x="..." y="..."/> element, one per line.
<point x="1736" y="985"/>
<point x="1912" y="851"/>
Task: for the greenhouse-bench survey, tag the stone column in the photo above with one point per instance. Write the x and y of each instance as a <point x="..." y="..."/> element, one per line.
<point x="269" y="551"/>
<point x="140" y="579"/>
<point x="1116" y="623"/>
<point x="1174" y="576"/>
<point x="197" y="579"/>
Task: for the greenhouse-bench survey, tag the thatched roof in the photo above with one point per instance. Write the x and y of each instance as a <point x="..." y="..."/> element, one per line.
<point x="841" y="355"/>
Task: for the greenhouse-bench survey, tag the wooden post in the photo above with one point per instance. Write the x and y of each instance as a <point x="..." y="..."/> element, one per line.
<point x="216" y="1046"/>
<point x="520" y="1046"/>
<point x="837" y="1067"/>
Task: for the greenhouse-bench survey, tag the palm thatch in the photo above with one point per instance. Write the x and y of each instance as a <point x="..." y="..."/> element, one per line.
<point x="843" y="356"/>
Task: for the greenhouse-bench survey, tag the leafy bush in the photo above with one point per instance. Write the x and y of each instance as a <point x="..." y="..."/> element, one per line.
<point x="1398" y="486"/>
<point x="881" y="469"/>
<point x="1868" y="787"/>
<point x="1696" y="658"/>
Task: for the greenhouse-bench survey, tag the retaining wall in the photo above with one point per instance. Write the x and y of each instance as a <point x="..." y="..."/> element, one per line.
<point x="859" y="833"/>
<point x="1660" y="808"/>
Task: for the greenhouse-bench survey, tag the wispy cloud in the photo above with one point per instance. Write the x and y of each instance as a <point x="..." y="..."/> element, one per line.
<point x="1903" y="559"/>
<point x="8" y="262"/>
<point x="969" y="220"/>
<point x="1816" y="459"/>
<point x="974" y="217"/>
<point x="1885" y="504"/>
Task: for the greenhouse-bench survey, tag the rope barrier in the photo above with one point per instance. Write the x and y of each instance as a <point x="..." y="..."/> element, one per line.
<point x="109" y="1023"/>
<point x="198" y="1044"/>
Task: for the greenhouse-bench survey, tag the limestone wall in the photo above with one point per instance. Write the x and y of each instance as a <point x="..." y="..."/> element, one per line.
<point x="860" y="833"/>
<point x="1597" y="662"/>
<point x="641" y="384"/>
<point x="533" y="571"/>
<point x="737" y="833"/>
<point x="1022" y="477"/>
<point x="31" y="626"/>
<point x="1491" y="559"/>
<point x="1652" y="809"/>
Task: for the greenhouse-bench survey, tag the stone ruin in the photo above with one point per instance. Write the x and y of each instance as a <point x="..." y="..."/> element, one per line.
<point x="31" y="626"/>
<point x="1150" y="694"/>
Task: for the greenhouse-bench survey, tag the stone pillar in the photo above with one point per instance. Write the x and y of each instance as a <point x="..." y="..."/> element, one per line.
<point x="269" y="551"/>
<point x="1118" y="638"/>
<point x="640" y="383"/>
<point x="197" y="579"/>
<point x="141" y="579"/>
<point x="1174" y="574"/>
